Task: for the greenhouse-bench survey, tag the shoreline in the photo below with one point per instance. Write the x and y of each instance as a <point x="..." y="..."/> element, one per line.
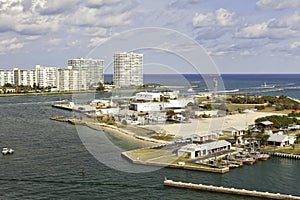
<point x="121" y="134"/>
<point x="48" y="93"/>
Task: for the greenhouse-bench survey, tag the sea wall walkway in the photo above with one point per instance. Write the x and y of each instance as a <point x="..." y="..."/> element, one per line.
<point x="172" y="165"/>
<point x="235" y="191"/>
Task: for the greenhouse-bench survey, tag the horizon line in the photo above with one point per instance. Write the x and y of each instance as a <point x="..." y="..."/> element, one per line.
<point x="290" y="73"/>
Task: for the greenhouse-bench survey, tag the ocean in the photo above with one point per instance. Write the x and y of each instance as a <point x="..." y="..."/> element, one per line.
<point x="50" y="157"/>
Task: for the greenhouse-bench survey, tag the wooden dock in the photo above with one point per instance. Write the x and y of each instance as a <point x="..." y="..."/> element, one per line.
<point x="243" y="192"/>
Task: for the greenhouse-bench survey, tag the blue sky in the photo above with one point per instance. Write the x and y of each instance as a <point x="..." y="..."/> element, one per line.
<point x="250" y="36"/>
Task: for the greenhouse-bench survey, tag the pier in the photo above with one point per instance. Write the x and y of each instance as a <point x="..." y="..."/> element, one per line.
<point x="174" y="165"/>
<point x="243" y="192"/>
<point x="62" y="106"/>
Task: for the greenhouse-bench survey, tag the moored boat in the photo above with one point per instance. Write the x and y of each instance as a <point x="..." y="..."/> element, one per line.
<point x="260" y="156"/>
<point x="263" y="157"/>
<point x="6" y="151"/>
<point x="248" y="161"/>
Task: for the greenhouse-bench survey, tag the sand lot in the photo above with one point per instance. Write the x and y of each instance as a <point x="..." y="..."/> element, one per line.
<point x="213" y="124"/>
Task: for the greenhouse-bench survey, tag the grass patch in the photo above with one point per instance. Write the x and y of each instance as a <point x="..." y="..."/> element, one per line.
<point x="225" y="137"/>
<point x="288" y="150"/>
<point x="234" y="107"/>
<point x="148" y="154"/>
<point x="163" y="136"/>
<point x="272" y="109"/>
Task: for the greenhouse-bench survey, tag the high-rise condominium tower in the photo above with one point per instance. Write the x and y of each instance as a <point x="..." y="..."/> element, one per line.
<point x="128" y="69"/>
<point x="90" y="72"/>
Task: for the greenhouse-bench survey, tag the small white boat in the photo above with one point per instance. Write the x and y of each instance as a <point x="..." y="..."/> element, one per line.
<point x="6" y="151"/>
<point x="267" y="86"/>
<point x="190" y="90"/>
<point x="263" y="157"/>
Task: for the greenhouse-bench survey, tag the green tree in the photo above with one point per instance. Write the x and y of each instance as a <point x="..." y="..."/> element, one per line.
<point x="298" y="139"/>
<point x="100" y="87"/>
<point x="278" y="121"/>
<point x="8" y="85"/>
<point x="263" y="138"/>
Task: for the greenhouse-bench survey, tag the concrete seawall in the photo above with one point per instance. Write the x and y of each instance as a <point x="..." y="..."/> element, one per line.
<point x="234" y="191"/>
<point x="283" y="155"/>
<point x="62" y="106"/>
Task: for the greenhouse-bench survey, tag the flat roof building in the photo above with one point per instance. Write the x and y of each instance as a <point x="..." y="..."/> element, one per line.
<point x="90" y="72"/>
<point x="193" y="151"/>
<point x="46" y="76"/>
<point x="128" y="69"/>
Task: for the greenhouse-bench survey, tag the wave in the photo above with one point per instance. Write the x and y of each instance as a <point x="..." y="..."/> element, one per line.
<point x="292" y="88"/>
<point x="27" y="103"/>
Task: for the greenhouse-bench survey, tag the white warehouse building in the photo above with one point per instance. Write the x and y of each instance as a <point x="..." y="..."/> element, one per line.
<point x="193" y="151"/>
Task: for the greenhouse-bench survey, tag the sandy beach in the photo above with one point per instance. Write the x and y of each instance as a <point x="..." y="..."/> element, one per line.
<point x="121" y="134"/>
<point x="197" y="126"/>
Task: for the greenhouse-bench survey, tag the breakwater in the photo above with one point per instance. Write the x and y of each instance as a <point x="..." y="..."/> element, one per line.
<point x="235" y="191"/>
<point x="259" y="91"/>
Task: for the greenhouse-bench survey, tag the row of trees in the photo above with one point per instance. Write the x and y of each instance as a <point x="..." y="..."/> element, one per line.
<point x="27" y="88"/>
<point x="281" y="102"/>
<point x="279" y="121"/>
<point x="23" y="88"/>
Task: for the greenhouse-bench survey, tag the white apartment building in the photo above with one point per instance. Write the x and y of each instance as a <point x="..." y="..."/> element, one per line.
<point x="68" y="79"/>
<point x="81" y="74"/>
<point x="128" y="69"/>
<point x="24" y="77"/>
<point x="90" y="72"/>
<point x="46" y="76"/>
<point x="6" y="76"/>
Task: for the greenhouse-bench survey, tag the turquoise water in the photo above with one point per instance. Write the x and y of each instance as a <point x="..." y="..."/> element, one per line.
<point x="49" y="157"/>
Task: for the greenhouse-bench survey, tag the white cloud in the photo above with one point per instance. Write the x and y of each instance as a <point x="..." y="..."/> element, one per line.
<point x="54" y="42"/>
<point x="103" y="17"/>
<point x="183" y="4"/>
<point x="203" y="19"/>
<point x="220" y="17"/>
<point x="96" y="41"/>
<point x="33" y="37"/>
<point x="41" y="17"/>
<point x="39" y="27"/>
<point x="292" y="21"/>
<point x="263" y="30"/>
<point x="15" y="16"/>
<point x="10" y="45"/>
<point x="217" y="53"/>
<point x="295" y="45"/>
<point x="54" y="7"/>
<point x="178" y="46"/>
<point x="90" y="31"/>
<point x="277" y="4"/>
<point x="99" y="3"/>
<point x="75" y="43"/>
